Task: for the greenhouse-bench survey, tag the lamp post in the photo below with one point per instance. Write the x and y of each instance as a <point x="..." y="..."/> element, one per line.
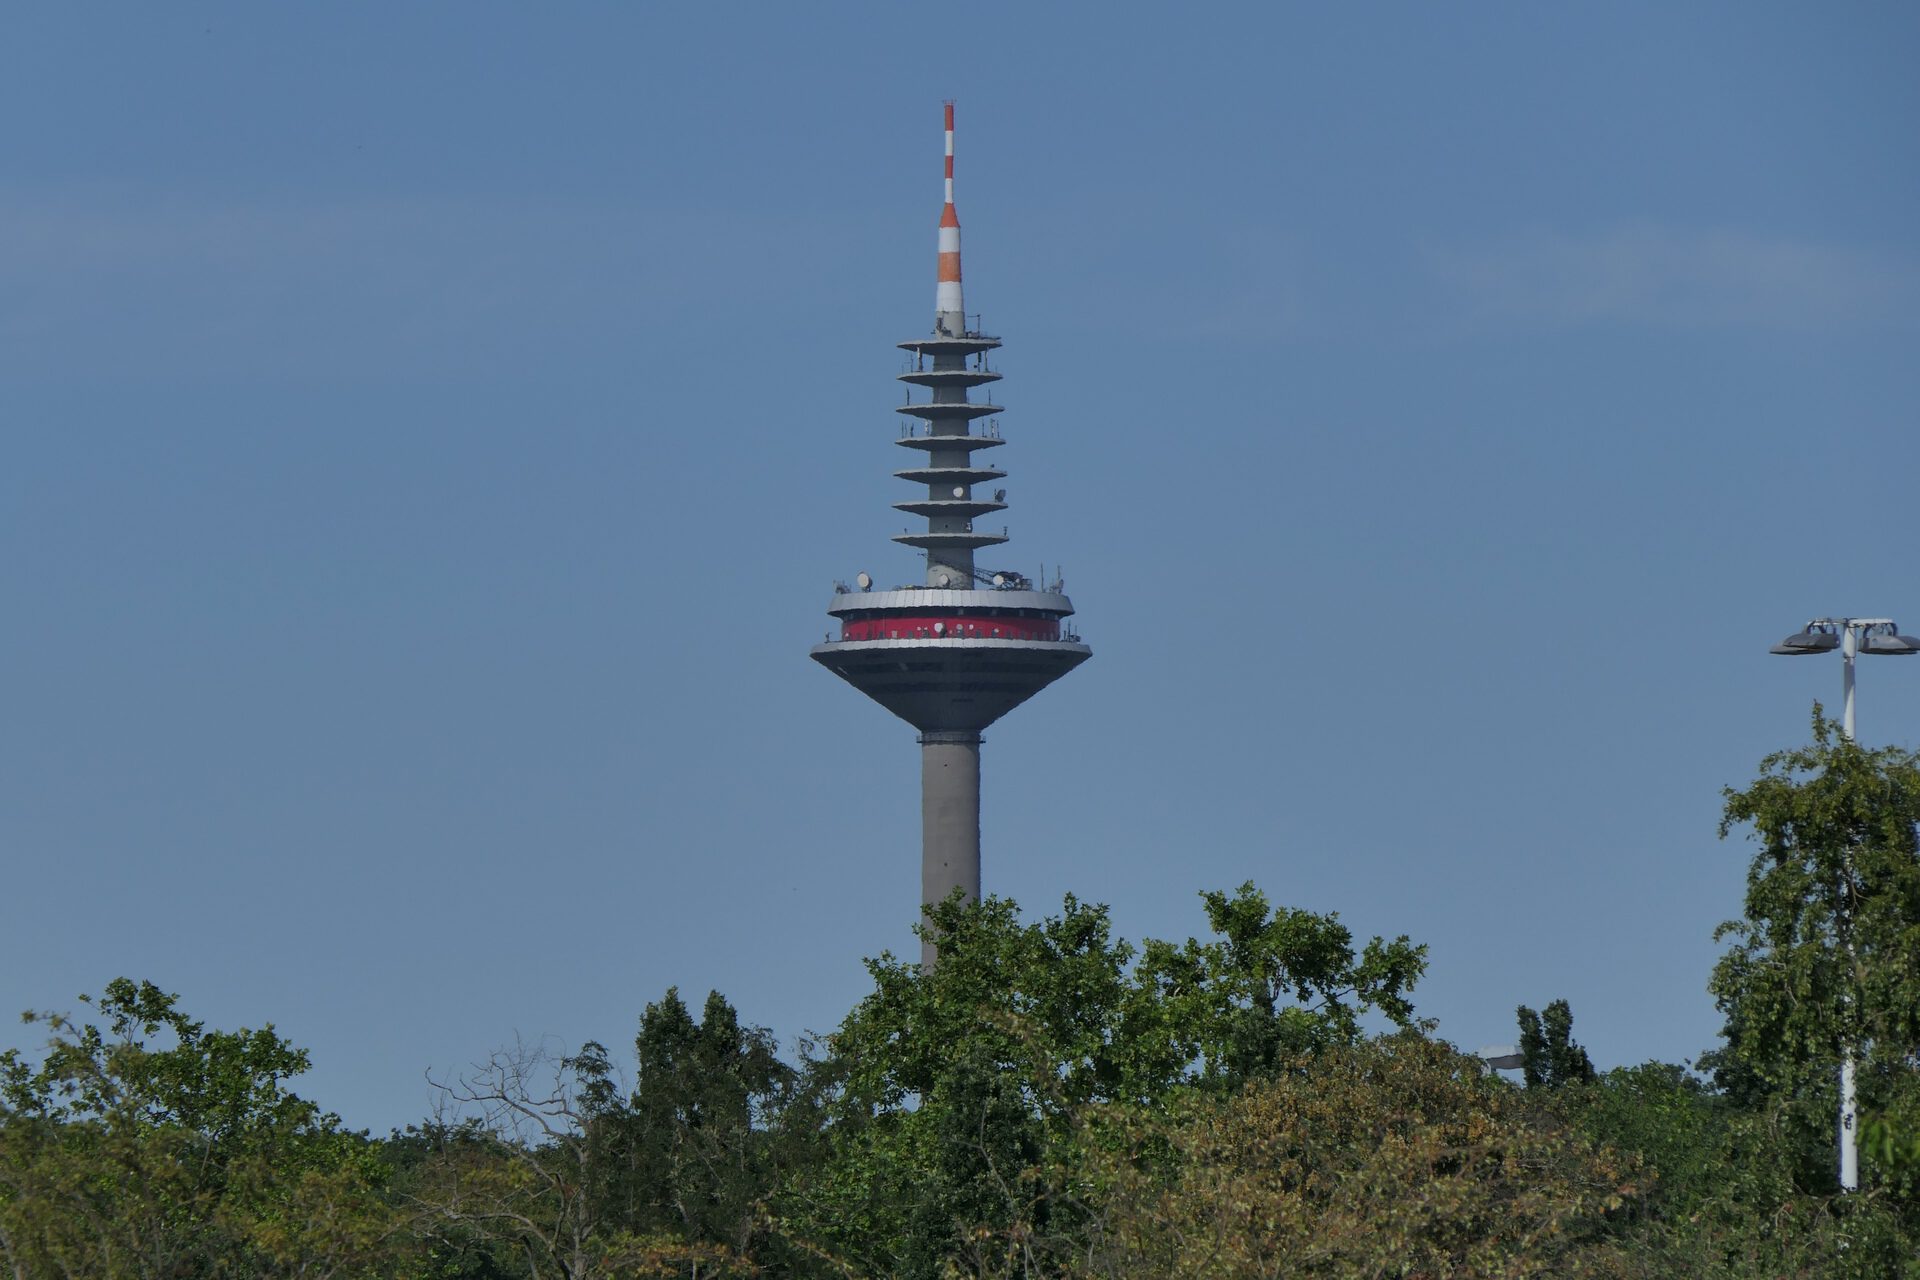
<point x="1851" y="636"/>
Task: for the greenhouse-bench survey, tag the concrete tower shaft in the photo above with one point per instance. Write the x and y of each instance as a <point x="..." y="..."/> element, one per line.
<point x="950" y="656"/>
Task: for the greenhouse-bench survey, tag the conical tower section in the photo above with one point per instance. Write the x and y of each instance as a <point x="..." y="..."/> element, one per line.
<point x="952" y="654"/>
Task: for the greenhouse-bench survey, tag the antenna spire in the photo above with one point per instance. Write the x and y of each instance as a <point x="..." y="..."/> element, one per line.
<point x="950" y="310"/>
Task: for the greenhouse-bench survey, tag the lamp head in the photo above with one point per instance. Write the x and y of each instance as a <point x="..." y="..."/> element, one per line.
<point x="1817" y="638"/>
<point x="1885" y="639"/>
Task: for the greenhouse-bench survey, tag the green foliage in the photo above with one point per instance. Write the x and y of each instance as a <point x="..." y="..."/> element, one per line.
<point x="1548" y="1056"/>
<point x="1893" y="1144"/>
<point x="942" y="1088"/>
<point x="154" y="1147"/>
<point x="223" y="1086"/>
<point x="1052" y="1101"/>
<point x="699" y="1160"/>
<point x="1826" y="956"/>
<point x="956" y="1089"/>
<point x="1393" y="1157"/>
<point x="1240" y="984"/>
<point x="546" y="1160"/>
<point x="1666" y="1115"/>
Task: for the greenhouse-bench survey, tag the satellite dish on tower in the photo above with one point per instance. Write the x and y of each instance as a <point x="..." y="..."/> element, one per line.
<point x="865" y="580"/>
<point x="959" y="491"/>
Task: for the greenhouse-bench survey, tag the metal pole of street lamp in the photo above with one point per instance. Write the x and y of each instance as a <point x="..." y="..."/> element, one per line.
<point x="1852" y="636"/>
<point x="1849" y="649"/>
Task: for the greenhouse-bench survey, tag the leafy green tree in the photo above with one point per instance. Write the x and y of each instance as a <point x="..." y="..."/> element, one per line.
<point x="1666" y="1115"/>
<point x="1395" y="1157"/>
<point x="957" y="1092"/>
<point x="155" y="1147"/>
<point x="698" y="1117"/>
<point x="1279" y="981"/>
<point x="1826" y="955"/>
<point x="1548" y="1056"/>
<point x="941" y="1089"/>
<point x="1825" y="958"/>
<point x="428" y="1159"/>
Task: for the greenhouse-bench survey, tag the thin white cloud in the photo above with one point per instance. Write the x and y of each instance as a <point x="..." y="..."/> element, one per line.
<point x="370" y="287"/>
<point x="1697" y="280"/>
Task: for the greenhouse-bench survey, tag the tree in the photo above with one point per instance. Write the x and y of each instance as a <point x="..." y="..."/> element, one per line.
<point x="941" y="1090"/>
<point x="543" y="1157"/>
<point x="1395" y="1157"/>
<point x="1825" y="960"/>
<point x="957" y="1092"/>
<point x="1826" y="955"/>
<point x="155" y="1147"/>
<point x="1280" y="981"/>
<point x="1548" y="1056"/>
<point x="698" y="1118"/>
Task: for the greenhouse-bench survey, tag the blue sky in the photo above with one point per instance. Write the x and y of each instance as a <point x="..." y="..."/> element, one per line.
<point x="433" y="432"/>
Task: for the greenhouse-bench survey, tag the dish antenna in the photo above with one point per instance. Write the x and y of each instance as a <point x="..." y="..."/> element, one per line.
<point x="865" y="580"/>
<point x="999" y="495"/>
<point x="959" y="491"/>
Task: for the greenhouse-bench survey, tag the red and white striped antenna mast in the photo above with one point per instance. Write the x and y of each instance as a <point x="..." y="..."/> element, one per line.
<point x="949" y="307"/>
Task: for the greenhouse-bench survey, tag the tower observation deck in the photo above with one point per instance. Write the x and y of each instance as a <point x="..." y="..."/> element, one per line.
<point x="954" y="653"/>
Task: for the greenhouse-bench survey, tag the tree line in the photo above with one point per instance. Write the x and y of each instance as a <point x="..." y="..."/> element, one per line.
<point x="1051" y="1100"/>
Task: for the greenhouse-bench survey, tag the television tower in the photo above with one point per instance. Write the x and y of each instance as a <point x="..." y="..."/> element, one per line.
<point x="953" y="654"/>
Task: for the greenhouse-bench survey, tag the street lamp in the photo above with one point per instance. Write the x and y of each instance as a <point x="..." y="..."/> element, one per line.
<point x="1880" y="637"/>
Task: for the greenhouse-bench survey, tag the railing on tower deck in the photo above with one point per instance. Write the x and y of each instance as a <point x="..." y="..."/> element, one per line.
<point x="910" y="430"/>
<point x="917" y="363"/>
<point x="977" y="332"/>
<point x="911" y="403"/>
